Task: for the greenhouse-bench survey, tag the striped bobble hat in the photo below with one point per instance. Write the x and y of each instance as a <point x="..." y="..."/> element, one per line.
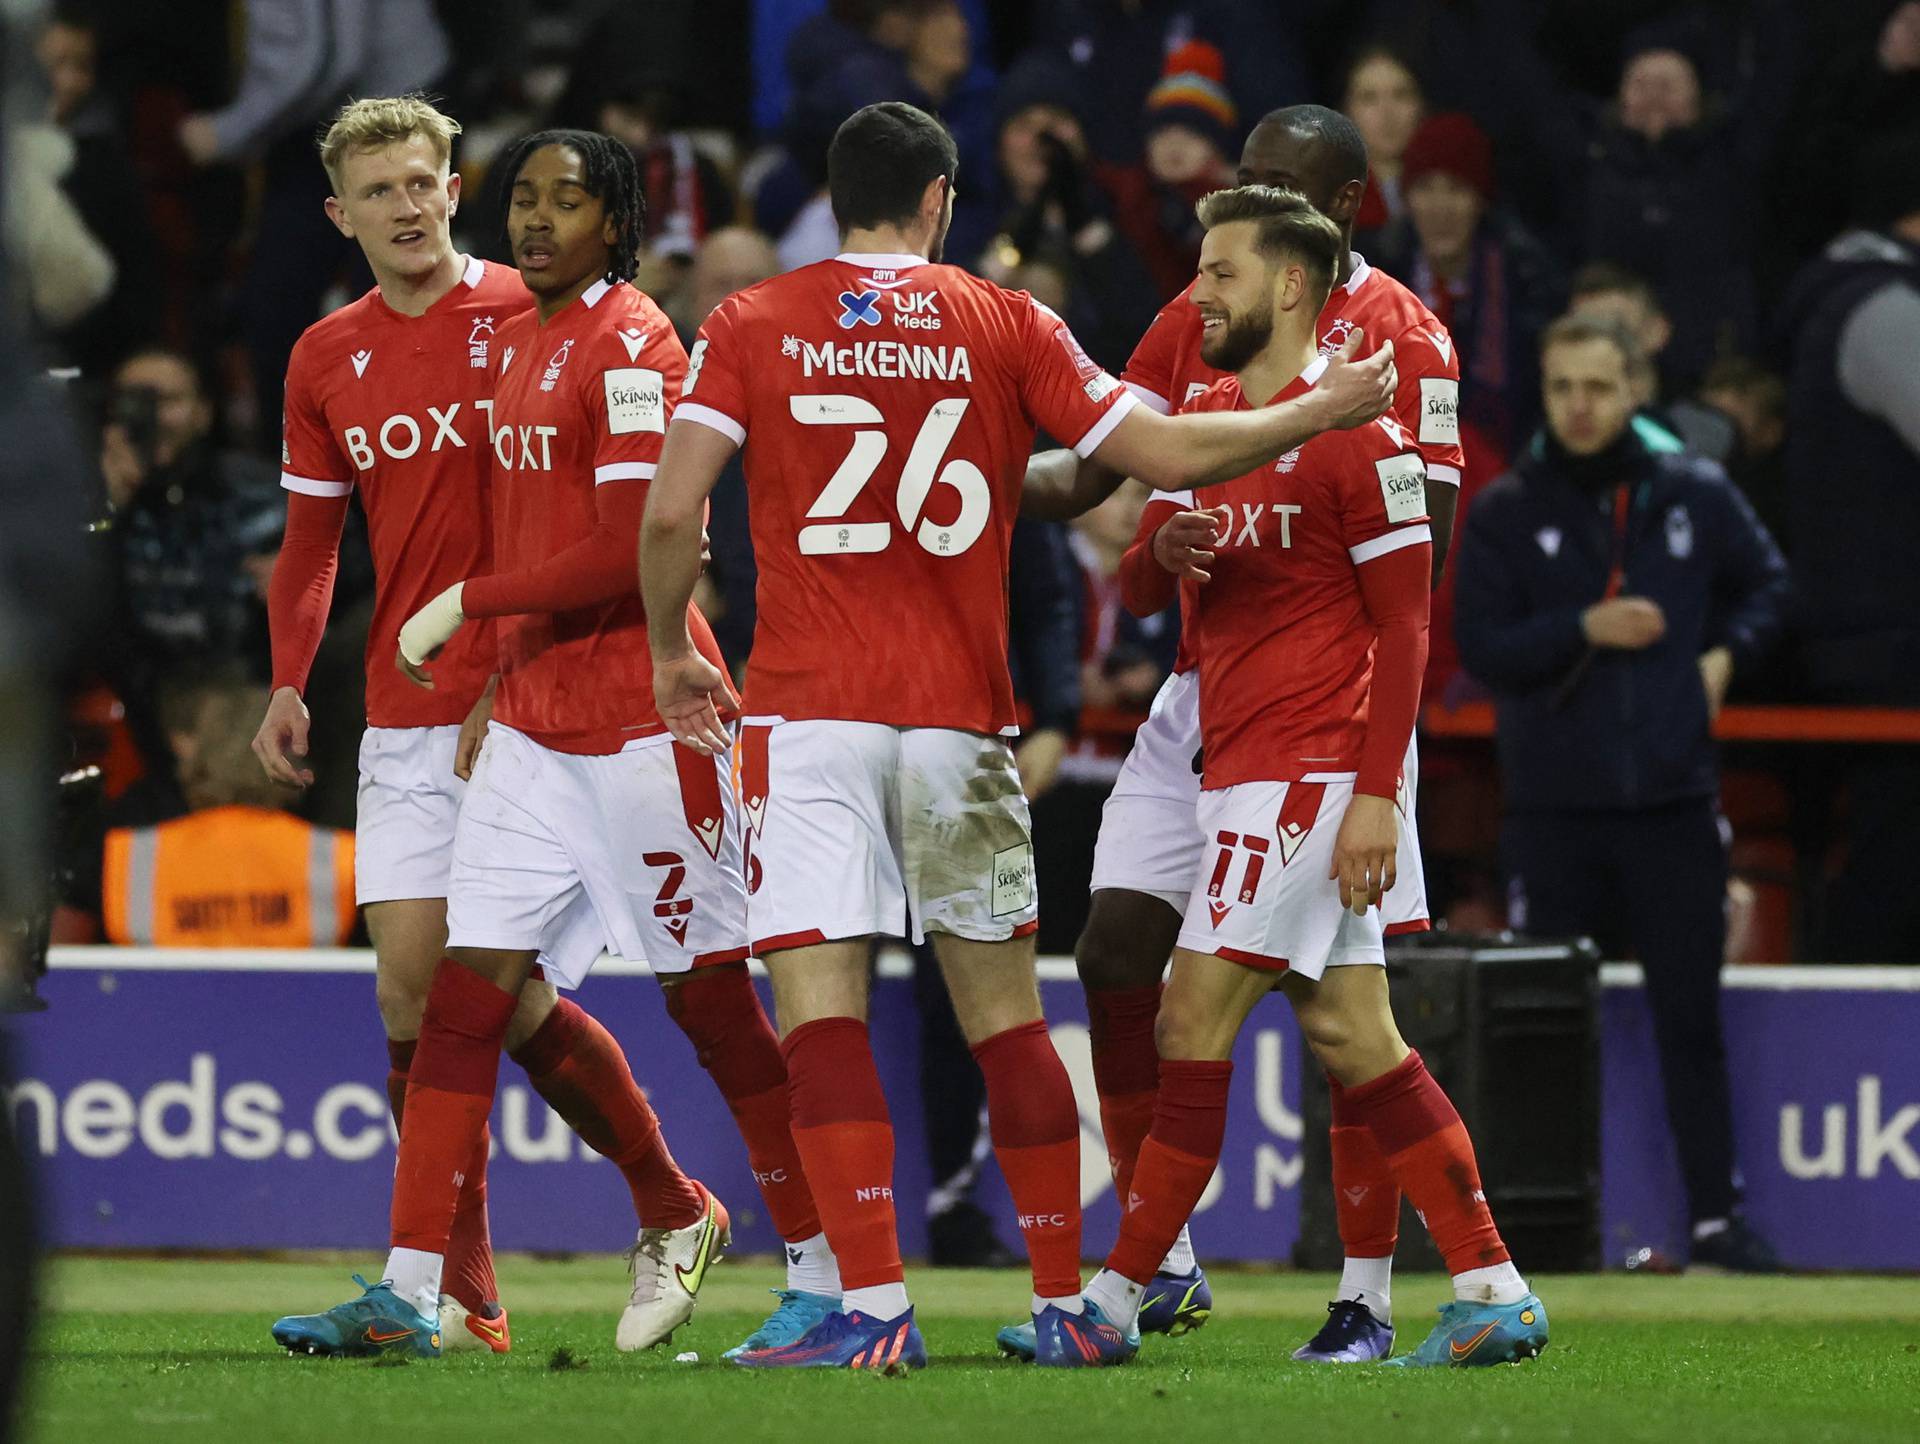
<point x="1192" y="92"/>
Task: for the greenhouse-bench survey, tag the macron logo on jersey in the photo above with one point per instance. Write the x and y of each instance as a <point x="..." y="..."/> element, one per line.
<point x="1443" y="343"/>
<point x="360" y="360"/>
<point x="634" y="340"/>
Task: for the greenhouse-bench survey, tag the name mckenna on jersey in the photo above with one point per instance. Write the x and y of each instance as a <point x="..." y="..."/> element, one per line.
<point x="888" y="360"/>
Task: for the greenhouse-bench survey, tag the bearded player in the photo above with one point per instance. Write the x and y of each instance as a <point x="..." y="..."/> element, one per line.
<point x="887" y="404"/>
<point x="566" y="609"/>
<point x="1149" y="850"/>
<point x="1311" y="639"/>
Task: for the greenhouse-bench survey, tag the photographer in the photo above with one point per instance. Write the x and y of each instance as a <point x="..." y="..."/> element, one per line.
<point x="194" y="530"/>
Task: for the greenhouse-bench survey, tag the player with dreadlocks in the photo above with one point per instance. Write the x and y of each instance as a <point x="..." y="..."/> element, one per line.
<point x="584" y="829"/>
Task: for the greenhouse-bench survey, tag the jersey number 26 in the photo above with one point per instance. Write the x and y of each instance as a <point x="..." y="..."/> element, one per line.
<point x="829" y="535"/>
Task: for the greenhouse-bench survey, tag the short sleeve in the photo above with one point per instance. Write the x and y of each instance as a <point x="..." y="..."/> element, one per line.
<point x="1429" y="397"/>
<point x="1149" y="374"/>
<point x="1383" y="492"/>
<point x="629" y="396"/>
<point x="716" y="394"/>
<point x="1062" y="388"/>
<point x="311" y="461"/>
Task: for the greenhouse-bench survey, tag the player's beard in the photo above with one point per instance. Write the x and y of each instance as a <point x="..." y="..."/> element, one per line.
<point x="1244" y="338"/>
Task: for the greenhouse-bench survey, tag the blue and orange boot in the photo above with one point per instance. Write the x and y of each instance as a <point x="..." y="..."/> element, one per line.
<point x="847" y="1341"/>
<point x="378" y="1322"/>
<point x="1472" y="1336"/>
<point x="1080" y="1341"/>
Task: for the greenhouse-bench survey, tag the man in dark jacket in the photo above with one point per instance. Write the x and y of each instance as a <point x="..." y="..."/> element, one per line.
<point x="1853" y="499"/>
<point x="1608" y="594"/>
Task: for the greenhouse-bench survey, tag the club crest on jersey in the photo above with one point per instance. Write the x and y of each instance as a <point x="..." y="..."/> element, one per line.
<point x="859" y="310"/>
<point x="1288" y="461"/>
<point x="1679" y="534"/>
<point x="551" y="377"/>
<point x="1336" y="336"/>
<point x="790" y="347"/>
<point x="477" y="340"/>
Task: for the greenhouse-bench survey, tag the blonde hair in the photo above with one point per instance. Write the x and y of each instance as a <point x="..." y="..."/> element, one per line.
<point x="380" y="121"/>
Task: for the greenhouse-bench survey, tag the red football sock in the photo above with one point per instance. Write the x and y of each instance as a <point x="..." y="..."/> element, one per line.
<point x="845" y="1138"/>
<point x="1036" y="1137"/>
<point x="576" y="1066"/>
<point x="719" y="1011"/>
<point x="467" y="1273"/>
<point x="450" y="1086"/>
<point x="1176" y="1161"/>
<point x="1426" y="1145"/>
<point x="1366" y="1200"/>
<point x="1126" y="1072"/>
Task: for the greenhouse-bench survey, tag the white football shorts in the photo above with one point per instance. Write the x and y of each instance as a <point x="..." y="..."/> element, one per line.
<point x="859" y="828"/>
<point x="636" y="853"/>
<point x="1265" y="899"/>
<point x="1150" y="841"/>
<point x="408" y="802"/>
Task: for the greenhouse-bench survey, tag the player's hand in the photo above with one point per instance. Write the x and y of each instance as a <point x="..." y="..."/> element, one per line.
<point x="1353" y="391"/>
<point x="689" y="692"/>
<point x="282" y="737"/>
<point x="1038" y="759"/>
<point x="1185" y="542"/>
<point x="1624" y="624"/>
<point x="473" y="732"/>
<point x="1363" y="852"/>
<point x="428" y="630"/>
<point x="1716" y="675"/>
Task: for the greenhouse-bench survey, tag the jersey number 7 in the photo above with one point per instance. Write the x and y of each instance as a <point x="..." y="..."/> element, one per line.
<point x="829" y="535"/>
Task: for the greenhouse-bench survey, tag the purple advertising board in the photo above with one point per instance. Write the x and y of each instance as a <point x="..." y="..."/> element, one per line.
<point x="236" y="1101"/>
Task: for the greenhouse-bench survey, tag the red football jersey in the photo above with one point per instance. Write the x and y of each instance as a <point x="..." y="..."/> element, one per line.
<point x="1284" y="639"/>
<point x="579" y="402"/>
<point x="397" y="406"/>
<point x="1166" y="372"/>
<point x="888" y="406"/>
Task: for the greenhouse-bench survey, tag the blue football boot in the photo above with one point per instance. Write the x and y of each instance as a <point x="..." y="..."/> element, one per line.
<point x="378" y="1322"/>
<point x="1080" y="1341"/>
<point x="1470" y="1336"/>
<point x="847" y="1341"/>
<point x="796" y="1313"/>
<point x="1176" y="1303"/>
<point x="1351" y="1335"/>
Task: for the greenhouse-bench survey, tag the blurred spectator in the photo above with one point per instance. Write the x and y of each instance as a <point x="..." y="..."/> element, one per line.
<point x="1608" y="593"/>
<point x="1122" y="660"/>
<point x="1051" y="209"/>
<point x="729" y="260"/>
<point x="302" y="59"/>
<point x="104" y="189"/>
<point x="1191" y="125"/>
<point x="1754" y="399"/>
<point x="1853" y="493"/>
<point x="237" y="871"/>
<point x="195" y="531"/>
<point x="1119" y="48"/>
<point x="1480" y="272"/>
<point x="63" y="272"/>
<point x="1604" y="289"/>
<point x="853" y="55"/>
<point x="1861" y="81"/>
<point x="1668" y="190"/>
<point x="1383" y="96"/>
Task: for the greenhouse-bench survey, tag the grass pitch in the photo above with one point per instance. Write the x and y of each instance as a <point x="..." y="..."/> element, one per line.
<point x="164" y="1350"/>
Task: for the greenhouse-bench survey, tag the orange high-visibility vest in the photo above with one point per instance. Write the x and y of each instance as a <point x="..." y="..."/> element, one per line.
<point x="229" y="877"/>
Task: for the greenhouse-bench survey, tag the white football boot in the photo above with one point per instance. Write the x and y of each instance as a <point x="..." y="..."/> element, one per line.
<point x="668" y="1266"/>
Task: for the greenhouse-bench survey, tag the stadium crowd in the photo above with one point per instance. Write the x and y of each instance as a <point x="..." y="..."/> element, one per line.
<point x="1732" y="184"/>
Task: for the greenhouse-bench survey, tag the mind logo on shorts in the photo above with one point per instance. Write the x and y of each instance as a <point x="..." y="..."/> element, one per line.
<point x="1012" y="879"/>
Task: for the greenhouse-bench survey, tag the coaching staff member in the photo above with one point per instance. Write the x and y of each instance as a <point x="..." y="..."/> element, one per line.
<point x="1608" y="594"/>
